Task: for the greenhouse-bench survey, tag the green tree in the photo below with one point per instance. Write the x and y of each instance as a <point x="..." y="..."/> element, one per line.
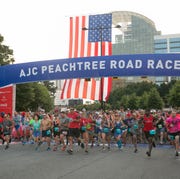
<point x="115" y="98"/>
<point x="30" y="96"/>
<point x="6" y="54"/>
<point x="154" y="100"/>
<point x="51" y="87"/>
<point x="24" y="96"/>
<point x="139" y="88"/>
<point x="42" y="98"/>
<point x="174" y="95"/>
<point x="124" y="101"/>
<point x="133" y="101"/>
<point x="143" y="101"/>
<point x="163" y="90"/>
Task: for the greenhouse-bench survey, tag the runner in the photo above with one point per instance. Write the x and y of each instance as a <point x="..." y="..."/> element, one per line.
<point x="45" y="128"/>
<point x="1" y="127"/>
<point x="31" y="121"/>
<point x="26" y="128"/>
<point x="106" y="130"/>
<point x="56" y="132"/>
<point x="160" y="125"/>
<point x="173" y="127"/>
<point x="64" y="130"/>
<point x="91" y="128"/>
<point x="74" y="129"/>
<point x="7" y="129"/>
<point x="117" y="125"/>
<point x="133" y="129"/>
<point x="84" y="131"/>
<point x="36" y="124"/>
<point x="98" y="127"/>
<point x="149" y="131"/>
<point x="17" y="125"/>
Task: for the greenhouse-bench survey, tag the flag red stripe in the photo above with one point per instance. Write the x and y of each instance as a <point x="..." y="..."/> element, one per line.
<point x="76" y="38"/>
<point x="85" y="89"/>
<point x="77" y="88"/>
<point x="89" y="49"/>
<point x="96" y="52"/>
<point x="63" y="90"/>
<point x="82" y="37"/>
<point x="110" y="48"/>
<point x="101" y="88"/>
<point x="93" y="89"/>
<point x="103" y="49"/>
<point x="70" y="37"/>
<point x="69" y="89"/>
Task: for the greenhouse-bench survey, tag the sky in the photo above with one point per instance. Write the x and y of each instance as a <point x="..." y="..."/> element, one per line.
<point x="37" y="30"/>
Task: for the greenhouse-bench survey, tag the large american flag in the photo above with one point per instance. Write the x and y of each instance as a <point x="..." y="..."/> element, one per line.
<point x="95" y="41"/>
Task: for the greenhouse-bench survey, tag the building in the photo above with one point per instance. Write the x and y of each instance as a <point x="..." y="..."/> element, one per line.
<point x="137" y="33"/>
<point x="166" y="44"/>
<point x="136" y="36"/>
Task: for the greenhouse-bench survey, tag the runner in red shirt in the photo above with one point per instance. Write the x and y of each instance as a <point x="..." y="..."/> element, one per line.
<point x="74" y="129"/>
<point x="149" y="131"/>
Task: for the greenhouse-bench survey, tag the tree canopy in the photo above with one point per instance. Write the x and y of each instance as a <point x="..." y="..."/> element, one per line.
<point x="6" y="54"/>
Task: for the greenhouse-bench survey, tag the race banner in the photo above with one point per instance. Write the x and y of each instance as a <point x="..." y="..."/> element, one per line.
<point x="87" y="67"/>
<point x="6" y="99"/>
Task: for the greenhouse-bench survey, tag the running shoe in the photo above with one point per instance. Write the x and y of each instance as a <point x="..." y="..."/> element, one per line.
<point x="148" y="154"/>
<point x="55" y="149"/>
<point x="176" y="154"/>
<point x="63" y="148"/>
<point x="70" y="152"/>
<point x="86" y="151"/>
<point x="82" y="145"/>
<point x="3" y="141"/>
<point x="31" y="142"/>
<point x="7" y="146"/>
<point x="153" y="144"/>
<point x="48" y="149"/>
<point x="136" y="150"/>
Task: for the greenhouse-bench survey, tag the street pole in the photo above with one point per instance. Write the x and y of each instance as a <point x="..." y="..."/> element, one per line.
<point x="102" y="91"/>
<point x="101" y="79"/>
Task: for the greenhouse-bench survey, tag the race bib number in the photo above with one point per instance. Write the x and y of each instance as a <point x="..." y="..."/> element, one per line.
<point x="152" y="132"/>
<point x="56" y="129"/>
<point x="88" y="126"/>
<point x="105" y="130"/>
<point x="83" y="128"/>
<point x="135" y="126"/>
<point x="160" y="126"/>
<point x="48" y="132"/>
<point x="118" y="131"/>
<point x="64" y="132"/>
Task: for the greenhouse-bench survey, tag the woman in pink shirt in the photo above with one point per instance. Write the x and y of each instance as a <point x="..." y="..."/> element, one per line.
<point x="173" y="127"/>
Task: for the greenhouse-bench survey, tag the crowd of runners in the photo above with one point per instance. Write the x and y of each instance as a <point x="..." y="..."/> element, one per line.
<point x="88" y="129"/>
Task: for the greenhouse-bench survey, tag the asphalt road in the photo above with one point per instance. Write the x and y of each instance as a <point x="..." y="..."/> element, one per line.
<point x="23" y="162"/>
